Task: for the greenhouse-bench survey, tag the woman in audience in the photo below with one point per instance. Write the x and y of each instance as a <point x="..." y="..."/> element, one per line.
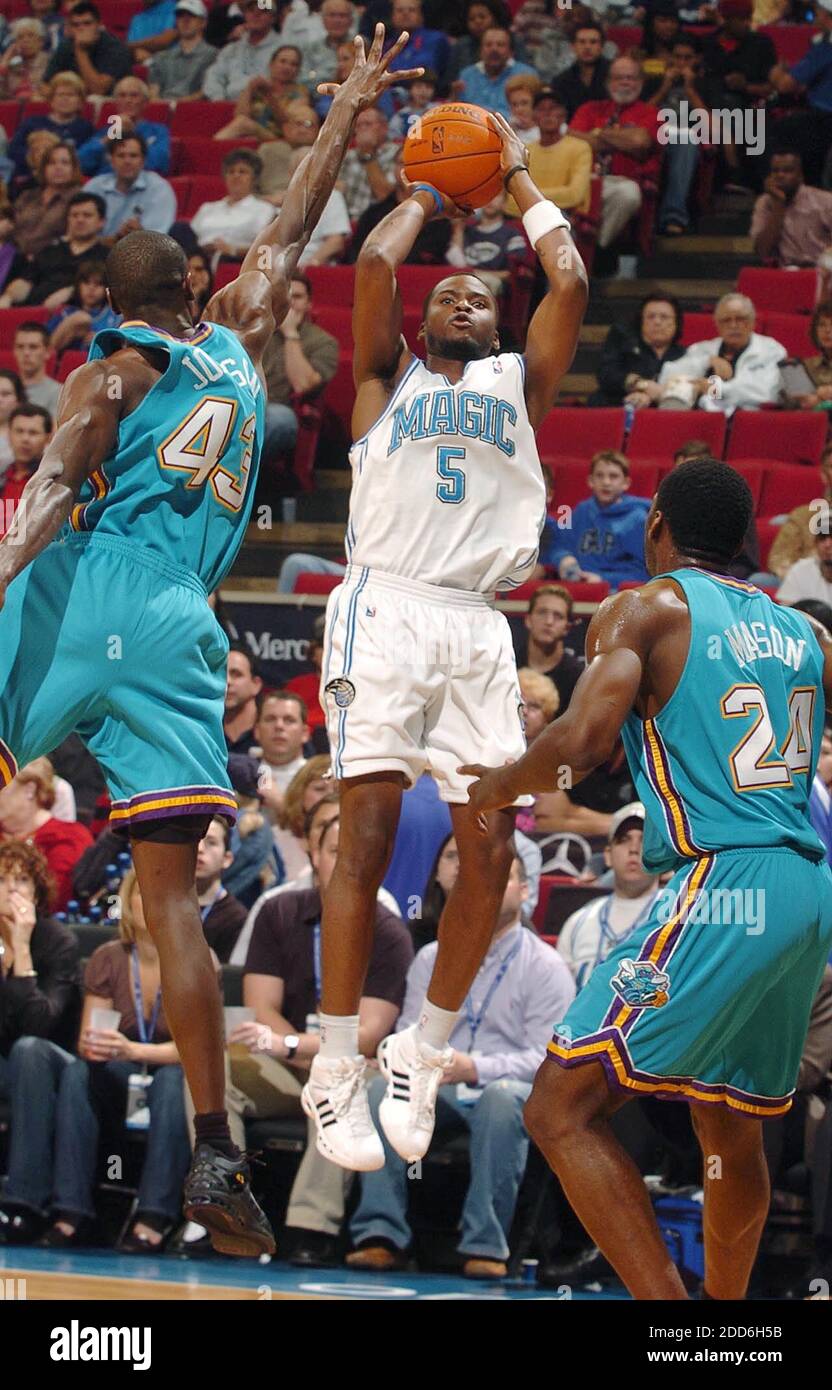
<point x="100" y="1086"/>
<point x="441" y="880"/>
<point x="302" y="795"/>
<point x="86" y="314"/>
<point x="40" y="213"/>
<point x="258" y="114"/>
<point x="541" y="703"/>
<point x="11" y="394"/>
<point x="27" y="806"/>
<point x="48" y="12"/>
<point x="202" y="279"/>
<point x="819" y="367"/>
<point x="23" y="63"/>
<point x="634" y="354"/>
<point x="229" y="226"/>
<point x="662" y="27"/>
<point x="520" y="93"/>
<point x="66" y="95"/>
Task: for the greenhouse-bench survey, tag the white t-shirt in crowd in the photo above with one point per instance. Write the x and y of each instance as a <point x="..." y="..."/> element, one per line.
<point x="584" y="943"/>
<point x="333" y="221"/>
<point x="805" y="580"/>
<point x="237" y="223"/>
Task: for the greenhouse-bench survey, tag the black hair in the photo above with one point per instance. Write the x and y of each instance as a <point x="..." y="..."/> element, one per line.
<point x="580" y="24"/>
<point x="89" y="270"/>
<point x="660" y="298"/>
<point x="243" y="649"/>
<point x="818" y="610"/>
<point x="17" y="384"/>
<point x="86" y="7"/>
<point x="821" y="311"/>
<point x="292" y="47"/>
<point x="146" y="268"/>
<point x="132" y="135"/>
<point x="500" y="13"/>
<point x="708" y="507"/>
<point x="690" y="40"/>
<point x="32" y="326"/>
<point x="28" y="411"/>
<point x="665" y="11"/>
<point x="453" y="275"/>
<point x="226" y="830"/>
<point x="82" y="196"/>
<point x="298" y="277"/>
<point x="244" y="156"/>
<point x="282" y="695"/>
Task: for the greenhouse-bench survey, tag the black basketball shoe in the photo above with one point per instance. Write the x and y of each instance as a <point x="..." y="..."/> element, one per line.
<point x="218" y="1196"/>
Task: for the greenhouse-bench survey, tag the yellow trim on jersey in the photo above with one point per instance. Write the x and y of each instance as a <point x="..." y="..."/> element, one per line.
<point x="668" y="794"/>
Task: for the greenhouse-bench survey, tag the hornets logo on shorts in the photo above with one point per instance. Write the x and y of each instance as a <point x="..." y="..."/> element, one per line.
<point x="641" y="984"/>
<point x="342" y="690"/>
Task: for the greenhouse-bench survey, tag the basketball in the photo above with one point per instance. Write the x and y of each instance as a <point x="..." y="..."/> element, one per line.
<point x="456" y="148"/>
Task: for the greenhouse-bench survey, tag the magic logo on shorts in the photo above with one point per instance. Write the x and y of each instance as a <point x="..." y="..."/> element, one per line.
<point x="342" y="691"/>
<point x="641" y="984"/>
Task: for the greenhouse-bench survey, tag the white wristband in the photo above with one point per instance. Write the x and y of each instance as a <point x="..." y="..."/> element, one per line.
<point x="542" y="218"/>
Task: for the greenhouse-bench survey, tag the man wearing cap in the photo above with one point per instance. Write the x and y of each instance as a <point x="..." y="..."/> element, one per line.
<point x="811" y="77"/>
<point x="246" y="57"/>
<point x="177" y="73"/>
<point x="560" y="165"/>
<point x="588" y="936"/>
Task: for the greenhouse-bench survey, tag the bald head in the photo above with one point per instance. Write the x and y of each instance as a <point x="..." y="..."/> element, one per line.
<point x="146" y="269"/>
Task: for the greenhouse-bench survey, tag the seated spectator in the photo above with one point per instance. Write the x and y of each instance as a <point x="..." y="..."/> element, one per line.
<point x="497" y="1045"/>
<point x="739" y="58"/>
<point x="432" y="243"/>
<point x="96" y="1088"/>
<point x="309" y="785"/>
<point x="37" y="144"/>
<point x="270" y="1058"/>
<point x="98" y="58"/>
<point x="633" y="354"/>
<point x="50" y="278"/>
<point x="66" y="96"/>
<point x="345" y="62"/>
<point x="11" y="395"/>
<point x="152" y="30"/>
<point x="23" y="62"/>
<point x="481" y="15"/>
<point x="560" y="165"/>
<point x="320" y="56"/>
<point x="421" y="92"/>
<point x="228" y="226"/>
<point x="368" y="175"/>
<point x="40" y="213"/>
<point x="255" y="865"/>
<point x="796" y="538"/>
<point x="202" y="278"/>
<point x="308" y="686"/>
<point x="810" y="79"/>
<point x="684" y="92"/>
<point x="131" y="98"/>
<point x="280" y="734"/>
<point x="246" y="56"/>
<point x="10" y="258"/>
<point x="31" y="353"/>
<point x="222" y="914"/>
<point x="29" y="429"/>
<point x="300" y="24"/>
<point x="329" y="238"/>
<point x="662" y="27"/>
<point x="819" y="367"/>
<point x="298" y="362"/>
<point x="586" y="78"/>
<point x="810" y="577"/>
<point x="243" y="684"/>
<point x="484" y="83"/>
<point x="176" y="73"/>
<point x="622" y="133"/>
<point x="48" y="12"/>
<point x="605" y="539"/>
<point x="544" y="30"/>
<point x="590" y="934"/>
<point x="540" y="701"/>
<point x="301" y="563"/>
<point x="26" y="813"/>
<point x="520" y="93"/>
<point x="542" y="648"/>
<point x="739" y="370"/>
<point x="425" y="48"/>
<point x="486" y="242"/>
<point x="88" y="312"/>
<point x="791" y="222"/>
<point x="300" y="130"/>
<point x="262" y="103"/>
<point x="136" y="199"/>
<point x="39" y="1008"/>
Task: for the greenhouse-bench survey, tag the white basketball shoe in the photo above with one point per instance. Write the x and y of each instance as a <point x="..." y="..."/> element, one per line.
<point x="335" y="1097"/>
<point x="414" y="1071"/>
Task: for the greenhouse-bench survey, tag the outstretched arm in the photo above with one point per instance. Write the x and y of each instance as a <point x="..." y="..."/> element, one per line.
<point x="258" y="299"/>
<point x="87" y="425"/>
<point x="616" y="647"/>
<point x="553" y="332"/>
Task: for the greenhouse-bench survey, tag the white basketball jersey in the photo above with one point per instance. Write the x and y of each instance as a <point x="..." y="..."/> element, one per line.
<point x="447" y="487"/>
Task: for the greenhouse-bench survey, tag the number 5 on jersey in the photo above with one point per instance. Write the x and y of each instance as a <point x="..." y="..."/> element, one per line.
<point x="201" y="446"/>
<point x="452" y="487"/>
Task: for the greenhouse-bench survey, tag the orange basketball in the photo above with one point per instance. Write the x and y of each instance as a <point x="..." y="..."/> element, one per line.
<point x="456" y="148"/>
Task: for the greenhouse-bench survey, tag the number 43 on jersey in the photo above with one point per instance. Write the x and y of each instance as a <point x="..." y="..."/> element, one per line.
<point x="207" y="447"/>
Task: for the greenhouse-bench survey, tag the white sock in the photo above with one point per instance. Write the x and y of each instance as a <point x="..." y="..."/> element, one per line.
<point x="339" y="1035"/>
<point x="436" y="1025"/>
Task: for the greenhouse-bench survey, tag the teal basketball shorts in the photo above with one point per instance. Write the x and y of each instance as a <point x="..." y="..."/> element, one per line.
<point x="107" y="640"/>
<point x="709" y="999"/>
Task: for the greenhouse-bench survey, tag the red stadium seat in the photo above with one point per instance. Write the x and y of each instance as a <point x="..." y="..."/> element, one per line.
<point x="696" y="328"/>
<point x="10" y="115"/>
<point x="11" y="319"/>
<point x="766" y="534"/>
<point x="790" y="40"/>
<point x="754" y="472"/>
<point x="307" y="583"/>
<point x="205" y="188"/>
<point x="226" y="272"/>
<point x="41" y="108"/>
<point x="579" y="433"/>
<point x="339" y="396"/>
<point x="546" y="883"/>
<point x="570" y="481"/>
<point x="181" y="185"/>
<point x="657" y="434"/>
<point x="116" y="15"/>
<point x="792" y="330"/>
<point x="197" y="156"/>
<point x="794" y="436"/>
<point x="332" y="284"/>
<point x="69" y="361"/>
<point x="644" y="478"/>
<point x="787" y="486"/>
<point x="581" y="592"/>
<point x="416" y="281"/>
<point x="625" y="36"/>
<point x="785" y="291"/>
<point x="158" y="111"/>
<point x="8" y="363"/>
<point x="200" y="118"/>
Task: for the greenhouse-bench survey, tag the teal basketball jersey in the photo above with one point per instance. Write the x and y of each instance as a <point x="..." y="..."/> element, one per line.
<point x="180" y="481"/>
<point x="728" y="762"/>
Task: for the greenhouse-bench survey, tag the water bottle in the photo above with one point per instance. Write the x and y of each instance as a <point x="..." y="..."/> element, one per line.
<point x="124" y="861"/>
<point x="95" y="914"/>
<point x="72" y="910"/>
<point x="112" y="878"/>
<point x="84" y="920"/>
<point x="528" y="1271"/>
<point x="60" y="917"/>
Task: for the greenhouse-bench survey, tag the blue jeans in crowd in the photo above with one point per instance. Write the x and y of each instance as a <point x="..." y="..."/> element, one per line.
<point x="680" y="162"/>
<point x="92" y="1091"/>
<point x="281" y="430"/>
<point x="30" y="1077"/>
<point x="297" y="564"/>
<point x="499" y="1146"/>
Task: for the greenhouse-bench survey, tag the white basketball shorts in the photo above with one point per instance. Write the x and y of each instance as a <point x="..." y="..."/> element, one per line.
<point x="418" y="678"/>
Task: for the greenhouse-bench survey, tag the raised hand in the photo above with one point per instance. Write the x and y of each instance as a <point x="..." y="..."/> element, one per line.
<point x="370" y="76"/>
<point x="514" y="152"/>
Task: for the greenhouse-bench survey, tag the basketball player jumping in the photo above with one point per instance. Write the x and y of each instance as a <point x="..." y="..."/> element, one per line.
<point x="447" y="506"/>
<point x="719" y="694"/>
<point x="145" y="492"/>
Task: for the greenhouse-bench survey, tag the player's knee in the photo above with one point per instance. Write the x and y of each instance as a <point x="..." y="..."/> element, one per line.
<point x="367" y="856"/>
